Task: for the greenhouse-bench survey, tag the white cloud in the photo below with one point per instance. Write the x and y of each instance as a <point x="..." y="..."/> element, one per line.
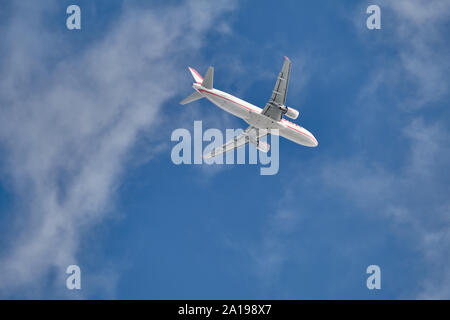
<point x="68" y="123"/>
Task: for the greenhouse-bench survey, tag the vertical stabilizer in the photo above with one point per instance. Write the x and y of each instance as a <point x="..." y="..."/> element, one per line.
<point x="198" y="78"/>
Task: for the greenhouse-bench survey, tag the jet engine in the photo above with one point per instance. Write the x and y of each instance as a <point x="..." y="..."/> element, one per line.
<point x="289" y="112"/>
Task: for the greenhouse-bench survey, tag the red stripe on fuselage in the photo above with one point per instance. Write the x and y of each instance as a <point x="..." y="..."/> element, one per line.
<point x="302" y="133"/>
<point x="214" y="94"/>
<point x="253" y="110"/>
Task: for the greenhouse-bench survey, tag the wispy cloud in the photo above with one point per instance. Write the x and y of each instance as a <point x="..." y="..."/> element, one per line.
<point x="68" y="121"/>
<point x="413" y="197"/>
<point x="413" y="193"/>
<point x="403" y="86"/>
<point x="415" y="74"/>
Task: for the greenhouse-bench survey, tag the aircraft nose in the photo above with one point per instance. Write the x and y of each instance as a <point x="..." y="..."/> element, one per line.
<point x="312" y="140"/>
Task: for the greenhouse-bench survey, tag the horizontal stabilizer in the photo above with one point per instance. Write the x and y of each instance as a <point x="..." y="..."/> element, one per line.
<point x="194" y="96"/>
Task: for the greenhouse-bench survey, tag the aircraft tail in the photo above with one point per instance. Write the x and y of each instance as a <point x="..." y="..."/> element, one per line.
<point x="207" y="83"/>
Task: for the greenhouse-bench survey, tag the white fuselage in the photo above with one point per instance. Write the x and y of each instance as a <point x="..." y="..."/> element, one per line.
<point x="252" y="115"/>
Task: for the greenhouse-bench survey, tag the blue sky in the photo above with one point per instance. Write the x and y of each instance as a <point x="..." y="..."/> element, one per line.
<point x="86" y="176"/>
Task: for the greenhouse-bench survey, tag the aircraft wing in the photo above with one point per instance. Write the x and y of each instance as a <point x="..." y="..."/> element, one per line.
<point x="251" y="134"/>
<point x="278" y="98"/>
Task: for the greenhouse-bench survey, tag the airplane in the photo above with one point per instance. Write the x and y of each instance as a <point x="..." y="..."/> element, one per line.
<point x="261" y="121"/>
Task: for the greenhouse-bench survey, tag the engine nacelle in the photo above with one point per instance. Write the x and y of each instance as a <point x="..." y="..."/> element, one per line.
<point x="291" y="113"/>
